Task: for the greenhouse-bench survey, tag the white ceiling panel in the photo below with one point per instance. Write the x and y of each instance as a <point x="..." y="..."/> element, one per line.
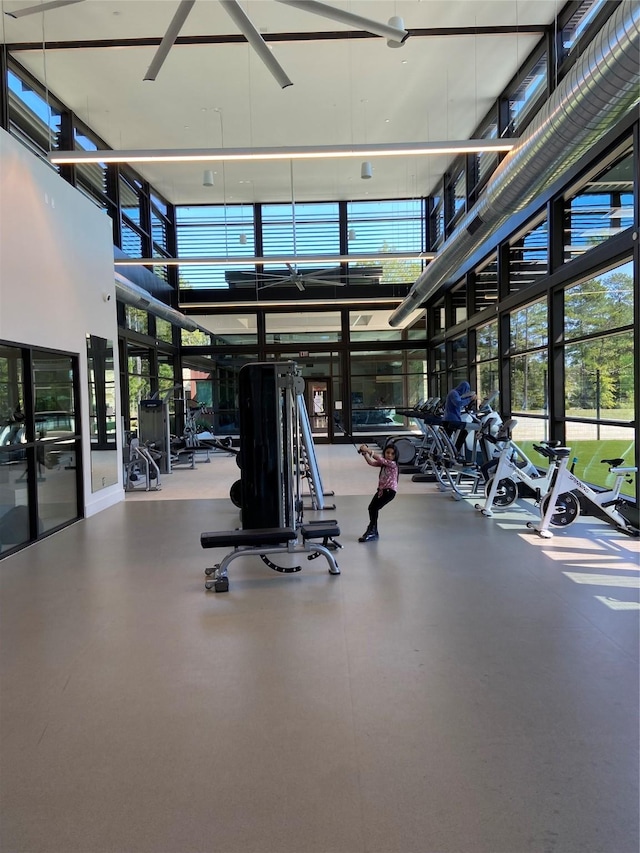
<point x="346" y="91"/>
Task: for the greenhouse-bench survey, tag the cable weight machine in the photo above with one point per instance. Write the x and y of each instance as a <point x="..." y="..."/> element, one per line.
<point x="270" y="486"/>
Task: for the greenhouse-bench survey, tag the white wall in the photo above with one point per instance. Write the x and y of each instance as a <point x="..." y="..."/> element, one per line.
<point x="56" y="267"/>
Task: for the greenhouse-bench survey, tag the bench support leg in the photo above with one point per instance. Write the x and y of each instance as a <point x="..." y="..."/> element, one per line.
<point x="316" y="549"/>
<point x="217" y="577"/>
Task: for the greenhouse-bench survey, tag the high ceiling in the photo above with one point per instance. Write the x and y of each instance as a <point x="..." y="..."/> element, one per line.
<point x="346" y="89"/>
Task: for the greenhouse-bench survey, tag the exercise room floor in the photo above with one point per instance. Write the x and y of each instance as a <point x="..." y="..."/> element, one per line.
<point x="462" y="687"/>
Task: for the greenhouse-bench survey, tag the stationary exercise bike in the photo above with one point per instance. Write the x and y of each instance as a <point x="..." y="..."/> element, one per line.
<point x="515" y="474"/>
<point x="560" y="507"/>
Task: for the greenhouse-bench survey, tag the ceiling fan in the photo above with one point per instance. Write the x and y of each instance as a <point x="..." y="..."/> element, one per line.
<point x="394" y="31"/>
<point x="301" y="279"/>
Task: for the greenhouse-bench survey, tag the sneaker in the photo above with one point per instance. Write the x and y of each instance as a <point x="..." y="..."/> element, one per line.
<point x="369" y="536"/>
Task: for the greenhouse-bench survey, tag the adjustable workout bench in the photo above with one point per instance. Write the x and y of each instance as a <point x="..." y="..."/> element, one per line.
<point x="270" y="540"/>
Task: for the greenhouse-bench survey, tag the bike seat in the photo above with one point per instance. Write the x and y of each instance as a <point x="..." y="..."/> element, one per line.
<point x="612" y="463"/>
<point x="560" y="452"/>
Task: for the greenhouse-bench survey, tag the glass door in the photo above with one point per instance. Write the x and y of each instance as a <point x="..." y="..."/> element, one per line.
<point x="319" y="407"/>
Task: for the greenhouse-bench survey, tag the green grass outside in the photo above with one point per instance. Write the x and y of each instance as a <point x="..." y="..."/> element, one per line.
<point x="589" y="467"/>
<point x="621" y="415"/>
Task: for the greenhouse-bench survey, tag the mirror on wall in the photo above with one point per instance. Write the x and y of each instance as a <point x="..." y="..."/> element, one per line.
<point x="102" y="413"/>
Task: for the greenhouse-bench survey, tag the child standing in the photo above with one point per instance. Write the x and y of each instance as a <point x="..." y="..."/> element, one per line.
<point x="387" y="485"/>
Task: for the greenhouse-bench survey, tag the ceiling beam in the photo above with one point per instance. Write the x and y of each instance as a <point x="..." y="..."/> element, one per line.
<point x="238" y="38"/>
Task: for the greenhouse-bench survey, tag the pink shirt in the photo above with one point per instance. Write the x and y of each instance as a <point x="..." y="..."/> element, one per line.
<point x="388" y="478"/>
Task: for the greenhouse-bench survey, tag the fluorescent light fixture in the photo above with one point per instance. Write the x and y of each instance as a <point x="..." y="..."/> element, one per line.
<point x="319" y="152"/>
<point x="276" y="259"/>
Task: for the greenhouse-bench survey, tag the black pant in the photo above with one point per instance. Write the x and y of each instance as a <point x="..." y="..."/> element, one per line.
<point x="462" y="433"/>
<point x="377" y="502"/>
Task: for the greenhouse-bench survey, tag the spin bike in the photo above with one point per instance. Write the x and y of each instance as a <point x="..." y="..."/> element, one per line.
<point x="452" y="469"/>
<point x="560" y="508"/>
<point x="516" y="473"/>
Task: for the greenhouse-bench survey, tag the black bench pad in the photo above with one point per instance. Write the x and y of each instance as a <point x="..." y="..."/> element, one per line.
<point x="258" y="536"/>
<point x="319" y="531"/>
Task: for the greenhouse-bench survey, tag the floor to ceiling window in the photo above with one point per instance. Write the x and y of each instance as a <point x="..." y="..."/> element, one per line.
<point x="529" y="370"/>
<point x="487" y="364"/>
<point x="599" y="371"/>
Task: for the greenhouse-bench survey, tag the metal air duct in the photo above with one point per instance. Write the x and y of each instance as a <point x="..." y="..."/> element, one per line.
<point x="131" y="294"/>
<point x="600" y="89"/>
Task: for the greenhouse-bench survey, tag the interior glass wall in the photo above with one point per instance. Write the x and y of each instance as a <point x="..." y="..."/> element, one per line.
<point x="323" y="394"/>
<point x="303" y="327"/>
<point x="139" y="379"/>
<point x="102" y="389"/>
<point x="40" y="444"/>
<point x="235" y="329"/>
<point x="372" y="325"/>
<point x="14" y="452"/>
<point x="210" y="389"/>
<point x="57" y="440"/>
<point x="381" y="383"/>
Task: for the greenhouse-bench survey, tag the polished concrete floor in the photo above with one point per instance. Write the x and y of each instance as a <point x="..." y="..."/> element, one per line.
<point x="461" y="687"/>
